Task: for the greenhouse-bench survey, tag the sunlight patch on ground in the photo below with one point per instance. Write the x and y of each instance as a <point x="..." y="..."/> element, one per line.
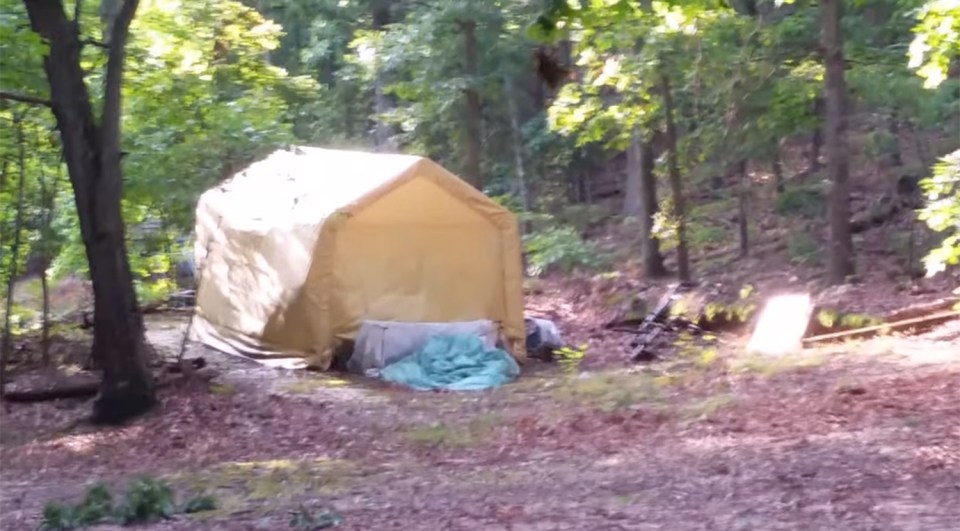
<point x="87" y="443"/>
<point x="707" y="407"/>
<point x="310" y="384"/>
<point x="268" y="484"/>
<point x="770" y="365"/>
<point x="460" y="435"/>
<point x="609" y="390"/>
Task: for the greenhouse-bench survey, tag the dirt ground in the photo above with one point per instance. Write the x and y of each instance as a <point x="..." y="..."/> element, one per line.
<point x="857" y="436"/>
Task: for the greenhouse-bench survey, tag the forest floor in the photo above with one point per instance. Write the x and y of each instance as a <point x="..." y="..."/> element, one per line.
<point x="854" y="436"/>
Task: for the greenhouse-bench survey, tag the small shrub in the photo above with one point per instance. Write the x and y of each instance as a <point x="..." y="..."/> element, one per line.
<point x="199" y="504"/>
<point x="57" y="517"/>
<point x="704" y="235"/>
<point x="802" y="248"/>
<point x="96" y="506"/>
<point x="562" y="248"/>
<point x="303" y="518"/>
<point x="805" y="201"/>
<point x="583" y="217"/>
<point x="147" y="500"/>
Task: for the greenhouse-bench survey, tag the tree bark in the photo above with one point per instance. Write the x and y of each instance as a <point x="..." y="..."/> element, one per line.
<point x="92" y="154"/>
<point x="515" y="132"/>
<point x="841" y="263"/>
<point x="816" y="140"/>
<point x="632" y="200"/>
<point x="47" y="200"/>
<point x="778" y="170"/>
<point x="676" y="186"/>
<point x="652" y="258"/>
<point x="893" y="127"/>
<point x="641" y="201"/>
<point x="473" y="144"/>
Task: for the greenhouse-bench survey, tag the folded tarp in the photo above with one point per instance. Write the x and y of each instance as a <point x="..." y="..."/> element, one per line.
<point x="380" y="343"/>
<point x="457" y="362"/>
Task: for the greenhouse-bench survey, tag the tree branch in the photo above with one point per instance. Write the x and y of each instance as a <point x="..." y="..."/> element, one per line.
<point x="110" y="119"/>
<point x="23" y="98"/>
<point x="93" y="42"/>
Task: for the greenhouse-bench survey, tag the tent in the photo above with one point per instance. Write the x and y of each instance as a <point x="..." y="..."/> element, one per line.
<point x="298" y="249"/>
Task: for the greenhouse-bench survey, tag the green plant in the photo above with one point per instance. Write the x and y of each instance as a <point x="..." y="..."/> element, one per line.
<point x="303" y="518"/>
<point x="96" y="506"/>
<point x="942" y="212"/>
<point x="583" y="217"/>
<point x="805" y="201"/>
<point x="562" y="248"/>
<point x="802" y="248"/>
<point x="57" y="517"/>
<point x="704" y="234"/>
<point x="147" y="500"/>
<point x="200" y="503"/>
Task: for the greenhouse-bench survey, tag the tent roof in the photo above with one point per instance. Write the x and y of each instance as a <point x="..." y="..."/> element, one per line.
<point x="304" y="184"/>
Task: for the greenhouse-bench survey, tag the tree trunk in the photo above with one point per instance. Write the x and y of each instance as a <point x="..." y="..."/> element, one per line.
<point x="473" y="144"/>
<point x="517" y="147"/>
<point x="15" y="255"/>
<point x="92" y="154"/>
<point x="893" y="127"/>
<point x="676" y="186"/>
<point x="48" y="198"/>
<point x="382" y="134"/>
<point x="841" y="264"/>
<point x="742" y="191"/>
<point x="778" y="170"/>
<point x="652" y="259"/>
<point x="816" y="140"/>
<point x="632" y="200"/>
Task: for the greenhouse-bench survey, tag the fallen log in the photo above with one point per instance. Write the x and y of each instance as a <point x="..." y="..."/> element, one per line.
<point x="88" y="387"/>
<point x="919" y="323"/>
<point x="85" y="389"/>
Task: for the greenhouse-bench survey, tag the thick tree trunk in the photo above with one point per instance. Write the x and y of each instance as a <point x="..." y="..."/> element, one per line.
<point x="473" y="144"/>
<point x="92" y="155"/>
<point x="652" y="259"/>
<point x="841" y="263"/>
<point x="676" y="186"/>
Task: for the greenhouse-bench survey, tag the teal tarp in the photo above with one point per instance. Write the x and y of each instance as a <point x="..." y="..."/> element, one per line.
<point x="454" y="362"/>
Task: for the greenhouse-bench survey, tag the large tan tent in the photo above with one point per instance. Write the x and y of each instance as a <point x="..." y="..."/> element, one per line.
<point x="295" y="251"/>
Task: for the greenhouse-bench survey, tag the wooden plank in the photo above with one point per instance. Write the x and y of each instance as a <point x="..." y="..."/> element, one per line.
<point x="869" y="331"/>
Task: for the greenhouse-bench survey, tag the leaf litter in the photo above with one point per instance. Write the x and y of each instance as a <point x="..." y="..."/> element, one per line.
<point x="858" y="437"/>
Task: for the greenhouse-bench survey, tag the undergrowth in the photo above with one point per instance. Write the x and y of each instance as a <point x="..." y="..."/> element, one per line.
<point x="147" y="500"/>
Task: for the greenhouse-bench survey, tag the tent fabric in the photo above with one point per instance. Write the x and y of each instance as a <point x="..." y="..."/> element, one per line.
<point x="296" y="250"/>
<point x="455" y="362"/>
